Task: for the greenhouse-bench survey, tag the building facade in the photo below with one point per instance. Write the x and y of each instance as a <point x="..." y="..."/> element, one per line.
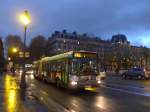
<point x="126" y="55"/>
<point x="61" y="42"/>
<point x="112" y="54"/>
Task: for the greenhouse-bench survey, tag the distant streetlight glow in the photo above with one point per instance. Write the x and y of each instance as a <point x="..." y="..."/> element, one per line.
<point x="25" y="18"/>
<point x="9" y="59"/>
<point x="14" y="50"/>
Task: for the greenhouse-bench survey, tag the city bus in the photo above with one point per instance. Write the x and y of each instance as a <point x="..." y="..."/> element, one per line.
<point x="74" y="69"/>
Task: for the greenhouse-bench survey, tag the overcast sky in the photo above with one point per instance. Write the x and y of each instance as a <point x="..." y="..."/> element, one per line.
<point x="102" y="18"/>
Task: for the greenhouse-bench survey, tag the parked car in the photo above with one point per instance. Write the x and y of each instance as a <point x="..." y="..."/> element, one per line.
<point x="139" y="73"/>
<point x="29" y="72"/>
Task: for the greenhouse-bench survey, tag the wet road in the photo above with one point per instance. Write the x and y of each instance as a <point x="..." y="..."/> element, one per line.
<point x="11" y="98"/>
<point x="140" y="87"/>
<point x="105" y="99"/>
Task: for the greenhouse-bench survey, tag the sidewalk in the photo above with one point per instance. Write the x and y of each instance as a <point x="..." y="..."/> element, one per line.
<point x="10" y="98"/>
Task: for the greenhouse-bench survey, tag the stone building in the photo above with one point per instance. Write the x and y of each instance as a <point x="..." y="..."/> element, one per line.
<point x="120" y="39"/>
<point x="63" y="41"/>
<point x="126" y="55"/>
<point x="113" y="53"/>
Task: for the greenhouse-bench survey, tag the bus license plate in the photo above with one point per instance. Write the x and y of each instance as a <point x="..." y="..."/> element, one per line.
<point x="90" y="88"/>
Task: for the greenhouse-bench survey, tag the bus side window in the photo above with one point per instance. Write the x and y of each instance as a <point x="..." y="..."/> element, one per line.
<point x="59" y="67"/>
<point x="42" y="66"/>
<point x="49" y="67"/>
<point x="67" y="68"/>
<point x="52" y="67"/>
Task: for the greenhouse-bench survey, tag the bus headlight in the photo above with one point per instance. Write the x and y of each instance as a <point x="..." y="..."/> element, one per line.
<point x="73" y="80"/>
<point x="99" y="82"/>
<point x="73" y="83"/>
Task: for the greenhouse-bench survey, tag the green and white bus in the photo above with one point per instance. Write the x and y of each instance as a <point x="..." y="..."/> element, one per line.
<point x="74" y="69"/>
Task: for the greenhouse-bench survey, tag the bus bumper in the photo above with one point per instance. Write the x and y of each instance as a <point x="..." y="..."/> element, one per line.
<point x="86" y="85"/>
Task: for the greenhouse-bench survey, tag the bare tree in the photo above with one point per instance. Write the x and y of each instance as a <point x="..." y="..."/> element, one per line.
<point x="2" y="60"/>
<point x="37" y="47"/>
<point x="13" y="41"/>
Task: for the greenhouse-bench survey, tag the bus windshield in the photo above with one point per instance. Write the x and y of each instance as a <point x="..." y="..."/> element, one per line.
<point x="84" y="66"/>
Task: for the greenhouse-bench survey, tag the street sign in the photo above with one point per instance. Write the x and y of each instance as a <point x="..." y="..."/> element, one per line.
<point x="27" y="54"/>
<point x="21" y="54"/>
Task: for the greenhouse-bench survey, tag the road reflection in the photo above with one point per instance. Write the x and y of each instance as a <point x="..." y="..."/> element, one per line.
<point x="101" y="102"/>
<point x="30" y="76"/>
<point x="11" y="93"/>
<point x="75" y="104"/>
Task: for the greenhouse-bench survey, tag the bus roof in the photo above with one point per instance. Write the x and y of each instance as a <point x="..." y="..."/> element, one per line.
<point x="35" y="62"/>
<point x="59" y="56"/>
<point x="64" y="55"/>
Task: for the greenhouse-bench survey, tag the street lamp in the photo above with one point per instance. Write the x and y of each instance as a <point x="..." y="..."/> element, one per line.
<point x="25" y="19"/>
<point x="9" y="59"/>
<point x="14" y="50"/>
<point x="13" y="54"/>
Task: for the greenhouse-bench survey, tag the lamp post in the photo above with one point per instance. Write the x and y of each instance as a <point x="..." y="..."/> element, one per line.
<point x="14" y="51"/>
<point x="25" y="19"/>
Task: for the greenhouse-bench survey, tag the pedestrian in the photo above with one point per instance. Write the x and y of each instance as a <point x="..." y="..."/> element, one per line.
<point x="117" y="71"/>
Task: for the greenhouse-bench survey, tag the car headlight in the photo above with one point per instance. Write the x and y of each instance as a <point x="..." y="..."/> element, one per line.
<point x="21" y="71"/>
<point x="98" y="79"/>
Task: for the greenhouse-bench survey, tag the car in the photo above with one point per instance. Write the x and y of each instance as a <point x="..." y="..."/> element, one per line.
<point x="102" y="73"/>
<point x="29" y="72"/>
<point x="139" y="73"/>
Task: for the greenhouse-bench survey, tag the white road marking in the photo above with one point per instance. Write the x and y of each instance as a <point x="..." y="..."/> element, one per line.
<point x="126" y="91"/>
<point x="128" y="86"/>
